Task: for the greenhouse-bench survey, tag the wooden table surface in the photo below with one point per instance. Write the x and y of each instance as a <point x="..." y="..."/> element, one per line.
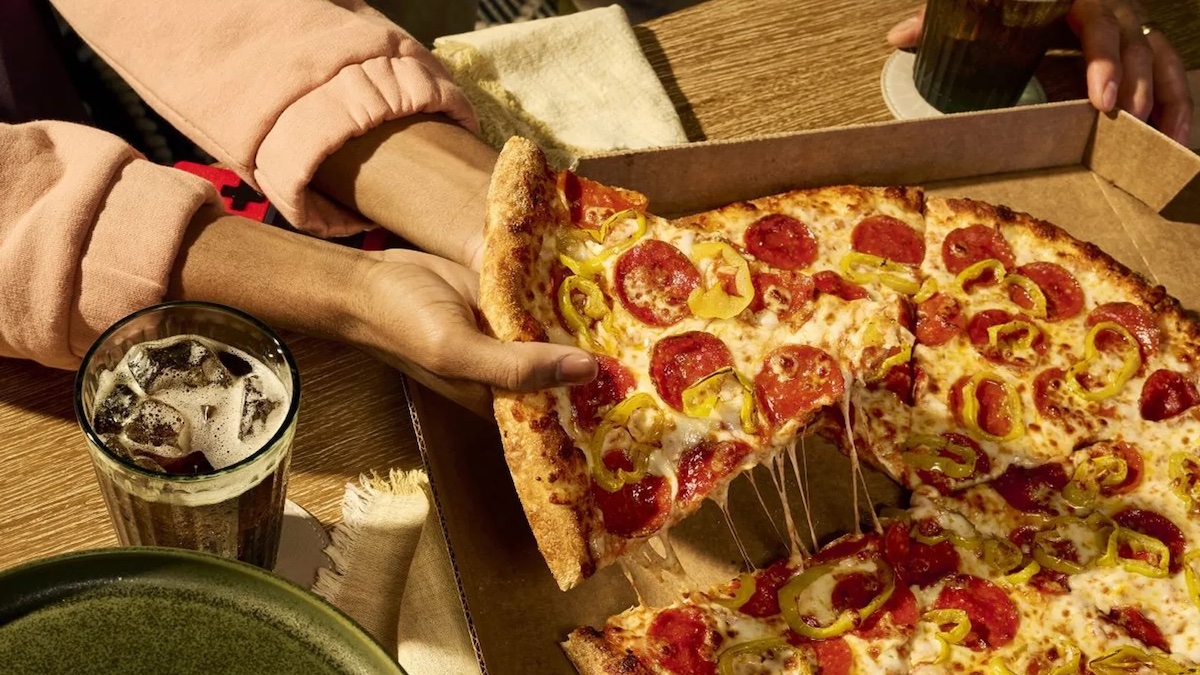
<point x="732" y="67"/>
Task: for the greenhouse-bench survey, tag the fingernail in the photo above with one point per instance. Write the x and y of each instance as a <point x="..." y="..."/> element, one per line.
<point x="576" y="369"/>
<point x="901" y="28"/>
<point x="1109" y="101"/>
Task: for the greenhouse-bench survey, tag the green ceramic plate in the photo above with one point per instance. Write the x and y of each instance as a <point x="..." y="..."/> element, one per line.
<point x="155" y="610"/>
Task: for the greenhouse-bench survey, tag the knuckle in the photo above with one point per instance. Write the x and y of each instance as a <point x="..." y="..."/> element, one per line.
<point x="518" y="374"/>
<point x="441" y="356"/>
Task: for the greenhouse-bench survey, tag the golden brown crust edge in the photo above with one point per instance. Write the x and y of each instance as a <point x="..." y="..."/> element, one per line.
<point x="593" y="655"/>
<point x="549" y="472"/>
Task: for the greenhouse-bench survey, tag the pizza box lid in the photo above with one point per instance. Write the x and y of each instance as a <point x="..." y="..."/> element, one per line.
<point x="1105" y="178"/>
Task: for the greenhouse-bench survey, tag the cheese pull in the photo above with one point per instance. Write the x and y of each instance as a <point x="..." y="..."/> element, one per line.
<point x="960" y="626"/>
<point x="621" y="420"/>
<point x="715" y="301"/>
<point x="847" y="620"/>
<point x="864" y="268"/>
<point x="1131" y="363"/>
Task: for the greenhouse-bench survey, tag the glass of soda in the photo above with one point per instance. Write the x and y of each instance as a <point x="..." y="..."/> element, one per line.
<point x="189" y="410"/>
<point x="981" y="54"/>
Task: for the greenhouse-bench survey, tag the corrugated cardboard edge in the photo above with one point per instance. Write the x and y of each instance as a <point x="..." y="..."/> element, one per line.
<point x="1168" y="180"/>
<point x="437" y="505"/>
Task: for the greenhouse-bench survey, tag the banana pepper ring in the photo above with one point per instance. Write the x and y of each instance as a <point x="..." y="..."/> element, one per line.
<point x="1128" y="659"/>
<point x="1132" y="362"/>
<point x="1012" y="406"/>
<point x="1029" y="333"/>
<point x="700" y="398"/>
<point x="928" y="288"/>
<point x="977" y="270"/>
<point x="1093" y="474"/>
<point x="1192" y="576"/>
<point x="618" y="419"/>
<point x="898" y="359"/>
<point x="789" y="596"/>
<point x="1185" y="478"/>
<point x="747" y="584"/>
<point x="714" y="302"/>
<point x="595" y="309"/>
<point x="1023" y="575"/>
<point x="1138" y="543"/>
<point x="1001" y="554"/>
<point x="1046" y="558"/>
<point x="593" y="265"/>
<point x="1032" y="291"/>
<point x="961" y="466"/>
<point x="961" y="626"/>
<point x="894" y="275"/>
<point x="728" y="659"/>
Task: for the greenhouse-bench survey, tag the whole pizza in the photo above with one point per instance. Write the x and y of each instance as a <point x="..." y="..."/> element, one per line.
<point x="1035" y="396"/>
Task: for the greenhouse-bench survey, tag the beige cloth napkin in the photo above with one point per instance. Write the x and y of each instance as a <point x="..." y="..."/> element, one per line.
<point x="391" y="573"/>
<point x="576" y="84"/>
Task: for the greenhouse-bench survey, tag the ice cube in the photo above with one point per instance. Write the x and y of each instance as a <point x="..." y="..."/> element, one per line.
<point x="256" y="406"/>
<point x="183" y="363"/>
<point x="154" y="423"/>
<point x="112" y="412"/>
<point x="159" y="459"/>
<point x="236" y="365"/>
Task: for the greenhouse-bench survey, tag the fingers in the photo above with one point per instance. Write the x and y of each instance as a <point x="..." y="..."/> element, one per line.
<point x="514" y="366"/>
<point x="1100" y="36"/>
<point x="1173" y="98"/>
<point x="907" y="33"/>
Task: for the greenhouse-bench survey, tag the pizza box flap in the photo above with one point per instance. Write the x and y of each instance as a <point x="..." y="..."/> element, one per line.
<point x="1107" y="179"/>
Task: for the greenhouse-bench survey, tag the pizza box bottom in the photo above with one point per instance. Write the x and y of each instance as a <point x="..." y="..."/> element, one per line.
<point x="1104" y="178"/>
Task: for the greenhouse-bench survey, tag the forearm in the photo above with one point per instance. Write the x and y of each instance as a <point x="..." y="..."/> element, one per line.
<point x="422" y="177"/>
<point x="286" y="279"/>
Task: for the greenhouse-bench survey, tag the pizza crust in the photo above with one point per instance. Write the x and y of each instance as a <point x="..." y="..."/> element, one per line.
<point x="593" y="655"/>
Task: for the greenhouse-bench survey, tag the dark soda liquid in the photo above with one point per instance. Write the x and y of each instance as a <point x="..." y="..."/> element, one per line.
<point x="981" y="54"/>
<point x="245" y="526"/>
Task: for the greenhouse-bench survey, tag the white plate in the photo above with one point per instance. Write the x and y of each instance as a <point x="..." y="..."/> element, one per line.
<point x="906" y="103"/>
<point x="302" y="544"/>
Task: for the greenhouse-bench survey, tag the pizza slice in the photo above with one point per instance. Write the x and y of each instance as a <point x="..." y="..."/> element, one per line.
<point x="720" y="338"/>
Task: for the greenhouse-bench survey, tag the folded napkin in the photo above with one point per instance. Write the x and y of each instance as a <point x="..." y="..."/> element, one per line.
<point x="576" y="84"/>
<point x="391" y="573"/>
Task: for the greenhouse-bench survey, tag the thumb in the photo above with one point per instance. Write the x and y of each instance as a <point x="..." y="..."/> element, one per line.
<point x="907" y="33"/>
<point x="521" y="366"/>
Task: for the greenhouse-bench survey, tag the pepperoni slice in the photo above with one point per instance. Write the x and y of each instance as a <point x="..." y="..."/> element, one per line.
<point x="890" y="238"/>
<point x="1155" y="525"/>
<point x="977" y="330"/>
<point x="1134" y="318"/>
<point x="863" y="547"/>
<point x="679" y="361"/>
<point x="637" y="509"/>
<point x="765" y="599"/>
<point x="832" y="283"/>
<point x="794" y="381"/>
<point x="683" y="641"/>
<point x="703" y="465"/>
<point x="781" y="241"/>
<point x="1064" y="297"/>
<point x="654" y="280"/>
<point x="900" y="379"/>
<point x="613" y="382"/>
<point x="994" y="617"/>
<point x="939" y="319"/>
<point x="1133" y="464"/>
<point x="781" y="292"/>
<point x="1048" y="394"/>
<point x="1139" y="627"/>
<point x="1030" y="490"/>
<point x="917" y="563"/>
<point x="590" y="202"/>
<point x="968" y="245"/>
<point x="1049" y="582"/>
<point x="898" y="616"/>
<point x="945" y="484"/>
<point x="1166" y="394"/>
<point x="833" y="656"/>
<point x="992" y="416"/>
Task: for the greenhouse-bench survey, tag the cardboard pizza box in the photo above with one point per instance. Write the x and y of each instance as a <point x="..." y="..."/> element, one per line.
<point x="1104" y="178"/>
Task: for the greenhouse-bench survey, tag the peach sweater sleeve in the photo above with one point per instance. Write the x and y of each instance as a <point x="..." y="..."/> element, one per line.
<point x="89" y="232"/>
<point x="269" y="87"/>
